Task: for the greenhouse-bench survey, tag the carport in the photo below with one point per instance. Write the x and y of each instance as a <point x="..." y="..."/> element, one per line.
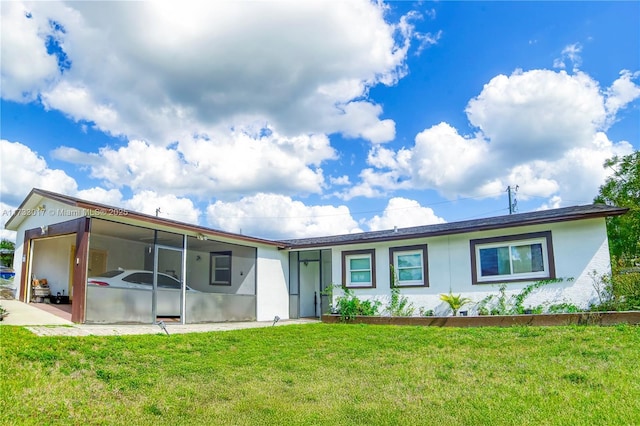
<point x="119" y="267"/>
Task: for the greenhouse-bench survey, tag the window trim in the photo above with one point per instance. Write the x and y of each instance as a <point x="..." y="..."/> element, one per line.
<point x="346" y="272"/>
<point x="425" y="264"/>
<point x="475" y="244"/>
<point x="212" y="269"/>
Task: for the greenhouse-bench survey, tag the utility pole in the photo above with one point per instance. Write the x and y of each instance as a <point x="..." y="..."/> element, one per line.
<point x="513" y="202"/>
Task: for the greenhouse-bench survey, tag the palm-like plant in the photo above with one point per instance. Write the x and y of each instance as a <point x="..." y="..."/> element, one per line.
<point x="455" y="302"/>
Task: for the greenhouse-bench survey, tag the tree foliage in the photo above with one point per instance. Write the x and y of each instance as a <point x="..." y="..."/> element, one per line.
<point x="622" y="189"/>
<point x="6" y="255"/>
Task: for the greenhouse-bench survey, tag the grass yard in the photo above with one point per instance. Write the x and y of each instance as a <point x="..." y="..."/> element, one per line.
<point x="326" y="374"/>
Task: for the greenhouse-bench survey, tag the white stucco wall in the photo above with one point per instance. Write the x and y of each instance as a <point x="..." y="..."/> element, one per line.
<point x="243" y="271"/>
<point x="52" y="257"/>
<point x="130" y="258"/>
<point x="580" y="247"/>
<point x="272" y="278"/>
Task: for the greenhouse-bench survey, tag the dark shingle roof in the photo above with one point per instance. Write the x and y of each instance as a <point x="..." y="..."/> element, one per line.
<point x="496" y="222"/>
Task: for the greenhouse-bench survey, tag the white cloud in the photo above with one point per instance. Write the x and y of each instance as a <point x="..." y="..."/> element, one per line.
<point x="541" y="130"/>
<point x="79" y="102"/>
<point x="441" y="159"/>
<point x="23" y="169"/>
<point x="26" y="67"/>
<point x="219" y="165"/>
<point x="570" y="53"/>
<point x="171" y="207"/>
<point x="260" y="215"/>
<point x="553" y="203"/>
<point x="340" y="180"/>
<point x="403" y="213"/>
<point x="444" y="159"/>
<point x="426" y="40"/>
<point x="302" y="67"/>
<point x="7" y="211"/>
<point x="622" y="92"/>
<point x="280" y="217"/>
<point x="110" y="197"/>
<point x="539" y="113"/>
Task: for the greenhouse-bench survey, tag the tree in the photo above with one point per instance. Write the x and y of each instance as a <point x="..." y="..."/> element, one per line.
<point x="622" y="189"/>
<point x="6" y="252"/>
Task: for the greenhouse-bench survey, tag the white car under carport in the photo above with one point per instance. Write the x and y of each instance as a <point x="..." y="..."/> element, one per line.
<point x="168" y="295"/>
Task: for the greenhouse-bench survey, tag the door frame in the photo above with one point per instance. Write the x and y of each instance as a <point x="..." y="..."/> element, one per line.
<point x="317" y="288"/>
<point x="322" y="256"/>
<point x="81" y="228"/>
<point x="183" y="281"/>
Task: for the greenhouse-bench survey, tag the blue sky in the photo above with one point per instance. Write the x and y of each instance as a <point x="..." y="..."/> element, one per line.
<point x="296" y="119"/>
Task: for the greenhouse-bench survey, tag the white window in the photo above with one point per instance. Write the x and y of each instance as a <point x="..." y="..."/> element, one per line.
<point x="409" y="266"/>
<point x="515" y="258"/>
<point x="220" y="268"/>
<point x="359" y="268"/>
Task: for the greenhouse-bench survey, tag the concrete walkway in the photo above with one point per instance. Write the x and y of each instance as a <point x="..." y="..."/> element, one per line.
<point x="44" y="323"/>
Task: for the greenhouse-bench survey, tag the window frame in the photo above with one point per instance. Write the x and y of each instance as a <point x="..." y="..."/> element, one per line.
<point x="346" y="272"/>
<point x="394" y="252"/>
<point x="212" y="267"/>
<point x="544" y="238"/>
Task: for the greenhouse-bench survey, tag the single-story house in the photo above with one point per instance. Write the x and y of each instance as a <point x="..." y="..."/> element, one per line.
<point x="119" y="266"/>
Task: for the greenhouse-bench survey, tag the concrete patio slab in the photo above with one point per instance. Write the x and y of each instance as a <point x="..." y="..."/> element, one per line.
<point x="21" y="313"/>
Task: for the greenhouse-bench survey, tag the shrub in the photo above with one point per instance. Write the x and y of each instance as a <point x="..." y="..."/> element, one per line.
<point x="513" y="305"/>
<point x="399" y="305"/>
<point x="426" y="312"/>
<point x="563" y="308"/>
<point x="626" y="288"/>
<point x="619" y="291"/>
<point x="348" y="305"/>
<point x="455" y="302"/>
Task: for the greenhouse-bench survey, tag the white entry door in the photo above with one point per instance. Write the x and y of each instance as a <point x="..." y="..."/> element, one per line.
<point x="310" y="289"/>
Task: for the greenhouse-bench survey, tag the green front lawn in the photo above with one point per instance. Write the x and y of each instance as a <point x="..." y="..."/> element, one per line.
<point x="325" y="374"/>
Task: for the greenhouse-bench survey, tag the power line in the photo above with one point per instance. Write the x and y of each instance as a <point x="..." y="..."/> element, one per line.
<point x="524" y="194"/>
<point x="354" y="213"/>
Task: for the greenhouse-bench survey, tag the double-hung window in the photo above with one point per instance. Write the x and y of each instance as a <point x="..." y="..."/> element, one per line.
<point x="523" y="257"/>
<point x="359" y="269"/>
<point x="409" y="266"/>
<point x="220" y="268"/>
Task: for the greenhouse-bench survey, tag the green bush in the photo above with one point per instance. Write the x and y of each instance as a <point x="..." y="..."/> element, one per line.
<point x="348" y="305"/>
<point x="563" y="308"/>
<point x="626" y="287"/>
<point x="619" y="291"/>
<point x="399" y="305"/>
<point x="502" y="304"/>
<point x="455" y="302"/>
